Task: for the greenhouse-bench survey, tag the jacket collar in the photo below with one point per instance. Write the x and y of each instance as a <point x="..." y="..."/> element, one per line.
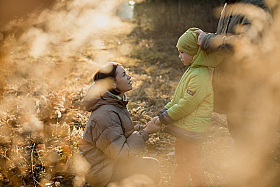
<point x="123" y="100"/>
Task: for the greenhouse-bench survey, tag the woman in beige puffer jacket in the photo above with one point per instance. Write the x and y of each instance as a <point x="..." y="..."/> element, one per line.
<point x="109" y="142"/>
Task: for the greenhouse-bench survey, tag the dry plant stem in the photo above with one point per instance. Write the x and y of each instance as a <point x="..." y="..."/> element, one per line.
<point x="7" y="158"/>
<point x="34" y="180"/>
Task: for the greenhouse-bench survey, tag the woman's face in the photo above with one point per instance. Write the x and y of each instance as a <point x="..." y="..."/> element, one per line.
<point x="185" y="58"/>
<point x="123" y="80"/>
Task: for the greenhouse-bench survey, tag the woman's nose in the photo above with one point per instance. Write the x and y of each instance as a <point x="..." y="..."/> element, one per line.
<point x="129" y="77"/>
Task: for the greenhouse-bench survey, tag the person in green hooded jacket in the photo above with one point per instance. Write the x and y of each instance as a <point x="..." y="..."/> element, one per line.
<point x="187" y="116"/>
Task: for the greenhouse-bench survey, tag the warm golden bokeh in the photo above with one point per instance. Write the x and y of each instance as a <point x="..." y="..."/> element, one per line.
<point x="47" y="61"/>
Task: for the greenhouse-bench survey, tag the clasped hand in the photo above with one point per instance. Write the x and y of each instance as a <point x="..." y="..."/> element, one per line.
<point x="153" y="126"/>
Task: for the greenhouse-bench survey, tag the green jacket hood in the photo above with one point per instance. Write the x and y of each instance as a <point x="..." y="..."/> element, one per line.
<point x="203" y="58"/>
<point x="187" y="43"/>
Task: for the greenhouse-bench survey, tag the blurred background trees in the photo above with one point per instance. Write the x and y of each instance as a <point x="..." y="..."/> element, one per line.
<point x="175" y="16"/>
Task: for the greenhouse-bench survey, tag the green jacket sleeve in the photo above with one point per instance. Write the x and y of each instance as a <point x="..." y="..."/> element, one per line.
<point x="168" y="105"/>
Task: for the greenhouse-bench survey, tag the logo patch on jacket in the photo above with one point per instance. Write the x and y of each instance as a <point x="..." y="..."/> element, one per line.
<point x="191" y="92"/>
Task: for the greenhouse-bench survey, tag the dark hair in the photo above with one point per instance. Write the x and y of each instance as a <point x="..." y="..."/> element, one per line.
<point x="103" y="73"/>
<point x="230" y="1"/>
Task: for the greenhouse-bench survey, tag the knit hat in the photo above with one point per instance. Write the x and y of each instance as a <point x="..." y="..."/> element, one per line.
<point x="187" y="43"/>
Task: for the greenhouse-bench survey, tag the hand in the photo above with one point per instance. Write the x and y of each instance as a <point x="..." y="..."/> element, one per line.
<point x="200" y="36"/>
<point x="152" y="127"/>
<point x="158" y="122"/>
<point x="139" y="127"/>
